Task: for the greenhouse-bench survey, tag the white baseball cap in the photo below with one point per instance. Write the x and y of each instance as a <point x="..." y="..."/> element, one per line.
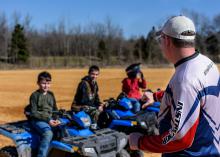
<point x="180" y="27"/>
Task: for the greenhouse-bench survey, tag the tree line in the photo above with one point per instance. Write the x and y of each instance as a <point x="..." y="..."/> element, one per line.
<point x="104" y="44"/>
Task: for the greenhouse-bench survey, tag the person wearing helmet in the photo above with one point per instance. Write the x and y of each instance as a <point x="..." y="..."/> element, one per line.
<point x="133" y="83"/>
<point x="189" y="118"/>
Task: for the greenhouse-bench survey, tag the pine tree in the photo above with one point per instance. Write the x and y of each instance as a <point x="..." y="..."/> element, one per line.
<point x="102" y="50"/>
<point x="18" y="48"/>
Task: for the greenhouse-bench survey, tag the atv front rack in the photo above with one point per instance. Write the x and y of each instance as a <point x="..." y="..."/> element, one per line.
<point x="103" y="142"/>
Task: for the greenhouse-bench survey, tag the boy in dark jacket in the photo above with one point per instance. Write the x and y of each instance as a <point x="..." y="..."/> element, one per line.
<point x="87" y="94"/>
<point x="42" y="104"/>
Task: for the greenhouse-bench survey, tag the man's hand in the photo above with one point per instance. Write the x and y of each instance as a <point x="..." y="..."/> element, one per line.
<point x="100" y="108"/>
<point x="133" y="140"/>
<point x="148" y="98"/>
<point x="54" y="123"/>
<point x="58" y="122"/>
<point x="145" y="105"/>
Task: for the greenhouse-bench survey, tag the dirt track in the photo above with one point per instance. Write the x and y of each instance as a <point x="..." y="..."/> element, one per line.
<point x="16" y="87"/>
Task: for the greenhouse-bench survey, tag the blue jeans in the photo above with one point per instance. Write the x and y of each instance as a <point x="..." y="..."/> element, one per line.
<point x="44" y="129"/>
<point x="136" y="105"/>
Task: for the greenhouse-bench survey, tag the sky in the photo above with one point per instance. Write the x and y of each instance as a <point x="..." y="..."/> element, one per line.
<point x="135" y="17"/>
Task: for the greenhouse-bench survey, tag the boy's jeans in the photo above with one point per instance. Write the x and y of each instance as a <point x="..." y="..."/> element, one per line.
<point x="136" y="105"/>
<point x="44" y="129"/>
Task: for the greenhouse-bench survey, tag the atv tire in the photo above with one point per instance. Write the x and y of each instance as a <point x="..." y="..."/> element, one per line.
<point x="8" y="151"/>
<point x="123" y="153"/>
<point x="104" y="120"/>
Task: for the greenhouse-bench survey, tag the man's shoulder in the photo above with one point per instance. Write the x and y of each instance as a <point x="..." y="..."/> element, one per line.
<point x="50" y="93"/>
<point x="83" y="83"/>
<point x="35" y="93"/>
<point x="194" y="69"/>
<point x="197" y="73"/>
<point x="84" y="80"/>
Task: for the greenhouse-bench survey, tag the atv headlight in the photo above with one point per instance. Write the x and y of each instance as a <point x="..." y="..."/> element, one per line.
<point x="122" y="143"/>
<point x="89" y="150"/>
<point x="86" y="121"/>
<point x="143" y="125"/>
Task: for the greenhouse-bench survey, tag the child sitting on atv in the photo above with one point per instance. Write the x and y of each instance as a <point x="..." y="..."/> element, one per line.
<point x="132" y="84"/>
<point x="42" y="104"/>
<point x="87" y="96"/>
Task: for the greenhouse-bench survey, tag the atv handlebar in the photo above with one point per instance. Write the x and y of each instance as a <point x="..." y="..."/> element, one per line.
<point x="62" y="113"/>
<point x="110" y="102"/>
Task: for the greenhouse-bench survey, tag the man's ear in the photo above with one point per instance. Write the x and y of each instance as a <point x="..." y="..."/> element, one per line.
<point x="168" y="41"/>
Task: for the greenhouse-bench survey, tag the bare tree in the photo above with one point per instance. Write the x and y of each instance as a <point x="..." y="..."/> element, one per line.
<point x="16" y="19"/>
<point x="216" y="23"/>
<point x="4" y="37"/>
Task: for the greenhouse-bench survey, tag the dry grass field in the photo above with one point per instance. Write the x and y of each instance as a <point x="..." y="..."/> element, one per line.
<point x="16" y="87"/>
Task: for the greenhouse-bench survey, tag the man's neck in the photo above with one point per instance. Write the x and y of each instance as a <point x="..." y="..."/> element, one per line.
<point x="181" y="53"/>
<point x="43" y="92"/>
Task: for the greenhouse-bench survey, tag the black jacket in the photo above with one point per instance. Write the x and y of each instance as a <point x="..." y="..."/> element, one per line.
<point x="87" y="93"/>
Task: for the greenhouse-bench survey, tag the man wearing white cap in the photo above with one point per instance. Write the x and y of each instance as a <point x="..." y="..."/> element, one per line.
<point x="189" y="119"/>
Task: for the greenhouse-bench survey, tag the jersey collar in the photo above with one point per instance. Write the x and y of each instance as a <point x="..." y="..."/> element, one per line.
<point x="186" y="59"/>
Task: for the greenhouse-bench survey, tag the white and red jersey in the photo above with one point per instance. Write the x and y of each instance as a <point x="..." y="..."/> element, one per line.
<point x="189" y="115"/>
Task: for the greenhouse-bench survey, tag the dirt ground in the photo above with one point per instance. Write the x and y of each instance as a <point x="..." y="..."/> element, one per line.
<point x="16" y="87"/>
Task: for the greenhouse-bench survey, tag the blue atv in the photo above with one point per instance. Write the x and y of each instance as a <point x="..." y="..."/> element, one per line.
<point x="155" y="107"/>
<point x="72" y="138"/>
<point x="118" y="115"/>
